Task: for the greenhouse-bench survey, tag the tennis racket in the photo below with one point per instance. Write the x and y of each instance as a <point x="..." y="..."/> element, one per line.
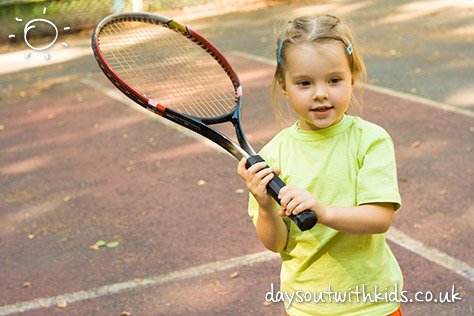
<point x="176" y="73"/>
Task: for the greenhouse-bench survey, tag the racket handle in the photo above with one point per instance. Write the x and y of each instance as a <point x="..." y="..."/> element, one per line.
<point x="304" y="220"/>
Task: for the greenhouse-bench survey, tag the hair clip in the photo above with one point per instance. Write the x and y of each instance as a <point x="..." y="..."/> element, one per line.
<point x="349" y="49"/>
<point x="279" y="50"/>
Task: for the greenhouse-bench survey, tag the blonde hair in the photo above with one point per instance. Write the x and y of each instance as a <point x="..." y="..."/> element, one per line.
<point x="309" y="30"/>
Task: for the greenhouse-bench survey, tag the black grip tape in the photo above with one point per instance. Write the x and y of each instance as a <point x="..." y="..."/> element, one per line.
<point x="304" y="220"/>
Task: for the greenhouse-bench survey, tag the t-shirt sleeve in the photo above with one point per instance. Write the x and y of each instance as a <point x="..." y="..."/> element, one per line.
<point x="377" y="177"/>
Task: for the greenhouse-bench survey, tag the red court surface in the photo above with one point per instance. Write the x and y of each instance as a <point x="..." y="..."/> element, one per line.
<point x="78" y="166"/>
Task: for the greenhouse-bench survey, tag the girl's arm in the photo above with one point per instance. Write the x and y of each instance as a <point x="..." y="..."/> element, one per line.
<point x="270" y="227"/>
<point x="271" y="230"/>
<point x="364" y="219"/>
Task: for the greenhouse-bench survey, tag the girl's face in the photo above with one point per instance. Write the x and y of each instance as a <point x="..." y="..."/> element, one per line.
<point x="318" y="83"/>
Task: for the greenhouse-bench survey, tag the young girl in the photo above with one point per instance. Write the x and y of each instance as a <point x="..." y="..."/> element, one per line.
<point x="338" y="166"/>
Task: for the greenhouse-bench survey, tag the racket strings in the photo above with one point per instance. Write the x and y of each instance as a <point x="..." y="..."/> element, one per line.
<point x="209" y="51"/>
<point x="166" y="66"/>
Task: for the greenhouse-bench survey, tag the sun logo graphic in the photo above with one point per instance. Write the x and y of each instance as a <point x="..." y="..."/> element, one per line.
<point x="30" y="26"/>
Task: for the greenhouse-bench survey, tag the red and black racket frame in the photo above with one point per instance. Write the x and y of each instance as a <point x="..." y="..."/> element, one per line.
<point x="305" y="220"/>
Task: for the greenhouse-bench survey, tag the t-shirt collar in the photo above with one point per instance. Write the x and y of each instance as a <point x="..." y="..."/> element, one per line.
<point x="321" y="133"/>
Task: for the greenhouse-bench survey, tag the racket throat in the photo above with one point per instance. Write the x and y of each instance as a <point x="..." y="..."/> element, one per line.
<point x="243" y="141"/>
<point x="183" y="122"/>
<point x="209" y="133"/>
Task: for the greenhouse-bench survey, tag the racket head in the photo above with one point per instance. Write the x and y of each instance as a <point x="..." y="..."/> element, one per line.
<point x="166" y="67"/>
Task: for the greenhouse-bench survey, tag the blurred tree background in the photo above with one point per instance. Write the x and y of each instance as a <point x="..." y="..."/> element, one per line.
<point x="81" y="14"/>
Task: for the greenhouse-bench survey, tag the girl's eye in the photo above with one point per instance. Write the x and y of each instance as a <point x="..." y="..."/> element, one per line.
<point x="334" y="80"/>
<point x="304" y="83"/>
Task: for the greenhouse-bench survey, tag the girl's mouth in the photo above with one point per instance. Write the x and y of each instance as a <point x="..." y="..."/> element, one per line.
<point x="321" y="110"/>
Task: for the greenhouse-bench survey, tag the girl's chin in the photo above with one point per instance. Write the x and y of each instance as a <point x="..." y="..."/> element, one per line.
<point x="316" y="124"/>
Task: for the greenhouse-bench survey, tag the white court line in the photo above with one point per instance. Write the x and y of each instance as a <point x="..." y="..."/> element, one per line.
<point x="394" y="235"/>
<point x="116" y="288"/>
<point x="431" y="254"/>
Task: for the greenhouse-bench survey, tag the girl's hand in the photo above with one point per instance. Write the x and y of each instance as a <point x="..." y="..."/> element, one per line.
<point x="295" y="200"/>
<point x="256" y="178"/>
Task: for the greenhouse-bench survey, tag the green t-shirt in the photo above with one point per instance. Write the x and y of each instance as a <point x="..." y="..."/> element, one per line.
<point x="348" y="164"/>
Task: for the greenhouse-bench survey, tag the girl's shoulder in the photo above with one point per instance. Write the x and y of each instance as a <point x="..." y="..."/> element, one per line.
<point x="367" y="137"/>
<point x="368" y="130"/>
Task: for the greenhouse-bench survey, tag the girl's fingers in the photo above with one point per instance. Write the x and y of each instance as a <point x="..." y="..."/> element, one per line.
<point x="285" y="195"/>
<point x="294" y="200"/>
<point x="256" y="168"/>
<point x="255" y="172"/>
<point x="266" y="179"/>
<point x="261" y="174"/>
<point x="241" y="170"/>
<point x="285" y="191"/>
<point x="291" y="206"/>
<point x="298" y="208"/>
<point x="277" y="171"/>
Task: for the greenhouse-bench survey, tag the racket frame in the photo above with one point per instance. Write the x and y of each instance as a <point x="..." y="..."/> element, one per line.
<point x="196" y="124"/>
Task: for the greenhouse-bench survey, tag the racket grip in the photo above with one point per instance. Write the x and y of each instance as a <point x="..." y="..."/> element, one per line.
<point x="304" y="220"/>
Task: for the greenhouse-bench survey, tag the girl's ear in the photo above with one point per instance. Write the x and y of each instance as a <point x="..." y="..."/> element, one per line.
<point x="353" y="80"/>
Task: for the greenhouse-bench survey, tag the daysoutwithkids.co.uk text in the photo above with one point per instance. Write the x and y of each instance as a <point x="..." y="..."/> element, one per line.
<point x="361" y="294"/>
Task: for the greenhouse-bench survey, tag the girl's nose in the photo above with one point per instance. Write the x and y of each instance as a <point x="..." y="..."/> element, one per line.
<point x="320" y="92"/>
